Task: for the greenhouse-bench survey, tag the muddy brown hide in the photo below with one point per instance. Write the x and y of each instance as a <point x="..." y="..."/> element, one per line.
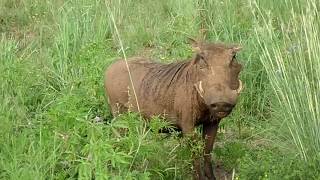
<point x="199" y="91"/>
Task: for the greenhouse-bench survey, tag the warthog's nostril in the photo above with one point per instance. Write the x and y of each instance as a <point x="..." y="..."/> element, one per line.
<point x="214" y="106"/>
<point x="221" y="106"/>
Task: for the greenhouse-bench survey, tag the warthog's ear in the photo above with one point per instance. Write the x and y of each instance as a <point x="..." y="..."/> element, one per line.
<point x="235" y="48"/>
<point x="235" y="69"/>
<point x="195" y="45"/>
<point x="196" y="48"/>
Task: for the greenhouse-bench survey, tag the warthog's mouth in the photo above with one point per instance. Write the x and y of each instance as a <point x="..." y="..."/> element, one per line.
<point x="220" y="114"/>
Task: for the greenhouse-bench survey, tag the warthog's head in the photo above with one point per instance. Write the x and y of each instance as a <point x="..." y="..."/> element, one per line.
<point x="218" y="70"/>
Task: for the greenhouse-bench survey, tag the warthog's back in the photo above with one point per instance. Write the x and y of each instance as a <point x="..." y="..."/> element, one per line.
<point x="118" y="85"/>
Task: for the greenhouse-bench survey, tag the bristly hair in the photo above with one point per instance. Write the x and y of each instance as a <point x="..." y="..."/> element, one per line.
<point x="162" y="79"/>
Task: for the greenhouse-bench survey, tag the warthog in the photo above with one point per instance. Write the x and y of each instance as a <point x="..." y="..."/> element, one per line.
<point x="199" y="91"/>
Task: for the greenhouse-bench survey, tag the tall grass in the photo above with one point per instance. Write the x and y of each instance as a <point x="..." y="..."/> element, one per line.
<point x="292" y="64"/>
<point x="55" y="122"/>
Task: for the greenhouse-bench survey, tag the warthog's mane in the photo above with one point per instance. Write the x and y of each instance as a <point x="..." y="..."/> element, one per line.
<point x="162" y="80"/>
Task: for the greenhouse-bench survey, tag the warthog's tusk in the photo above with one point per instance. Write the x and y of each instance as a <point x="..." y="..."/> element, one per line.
<point x="240" y="87"/>
<point x="199" y="89"/>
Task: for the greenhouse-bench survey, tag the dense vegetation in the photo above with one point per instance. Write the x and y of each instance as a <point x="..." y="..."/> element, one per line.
<point x="55" y="123"/>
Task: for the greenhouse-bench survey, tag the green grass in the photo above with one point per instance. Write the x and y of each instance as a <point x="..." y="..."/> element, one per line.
<point x="293" y="70"/>
<point x="55" y="122"/>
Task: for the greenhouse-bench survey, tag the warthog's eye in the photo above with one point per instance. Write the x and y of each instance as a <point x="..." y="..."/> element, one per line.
<point x="234" y="57"/>
<point x="202" y="62"/>
<point x="233" y="60"/>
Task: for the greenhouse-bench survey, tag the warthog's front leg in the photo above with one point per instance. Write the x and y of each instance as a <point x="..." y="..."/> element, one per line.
<point x="209" y="134"/>
<point x="193" y="139"/>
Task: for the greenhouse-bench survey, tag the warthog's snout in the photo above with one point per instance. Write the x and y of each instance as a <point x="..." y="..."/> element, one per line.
<point x="221" y="109"/>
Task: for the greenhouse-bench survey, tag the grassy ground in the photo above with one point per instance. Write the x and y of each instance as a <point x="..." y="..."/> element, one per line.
<point x="55" y="123"/>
